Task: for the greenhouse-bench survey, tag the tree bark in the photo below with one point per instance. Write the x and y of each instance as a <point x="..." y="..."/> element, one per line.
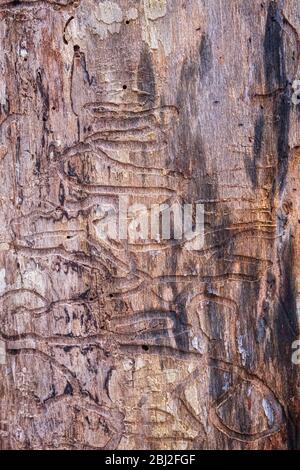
<point x="121" y="345"/>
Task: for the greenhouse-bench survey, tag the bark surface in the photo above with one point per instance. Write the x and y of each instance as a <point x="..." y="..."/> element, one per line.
<point x="120" y="345"/>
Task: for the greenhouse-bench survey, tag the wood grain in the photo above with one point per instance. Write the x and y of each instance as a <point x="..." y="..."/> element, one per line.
<point x="121" y="345"/>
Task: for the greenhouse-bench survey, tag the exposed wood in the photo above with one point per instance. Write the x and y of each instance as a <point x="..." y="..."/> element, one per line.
<point x="121" y="345"/>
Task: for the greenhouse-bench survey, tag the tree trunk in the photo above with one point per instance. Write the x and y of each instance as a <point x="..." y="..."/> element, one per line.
<point x="128" y="343"/>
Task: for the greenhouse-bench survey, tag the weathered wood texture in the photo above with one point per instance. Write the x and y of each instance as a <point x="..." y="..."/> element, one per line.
<point x="117" y="345"/>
